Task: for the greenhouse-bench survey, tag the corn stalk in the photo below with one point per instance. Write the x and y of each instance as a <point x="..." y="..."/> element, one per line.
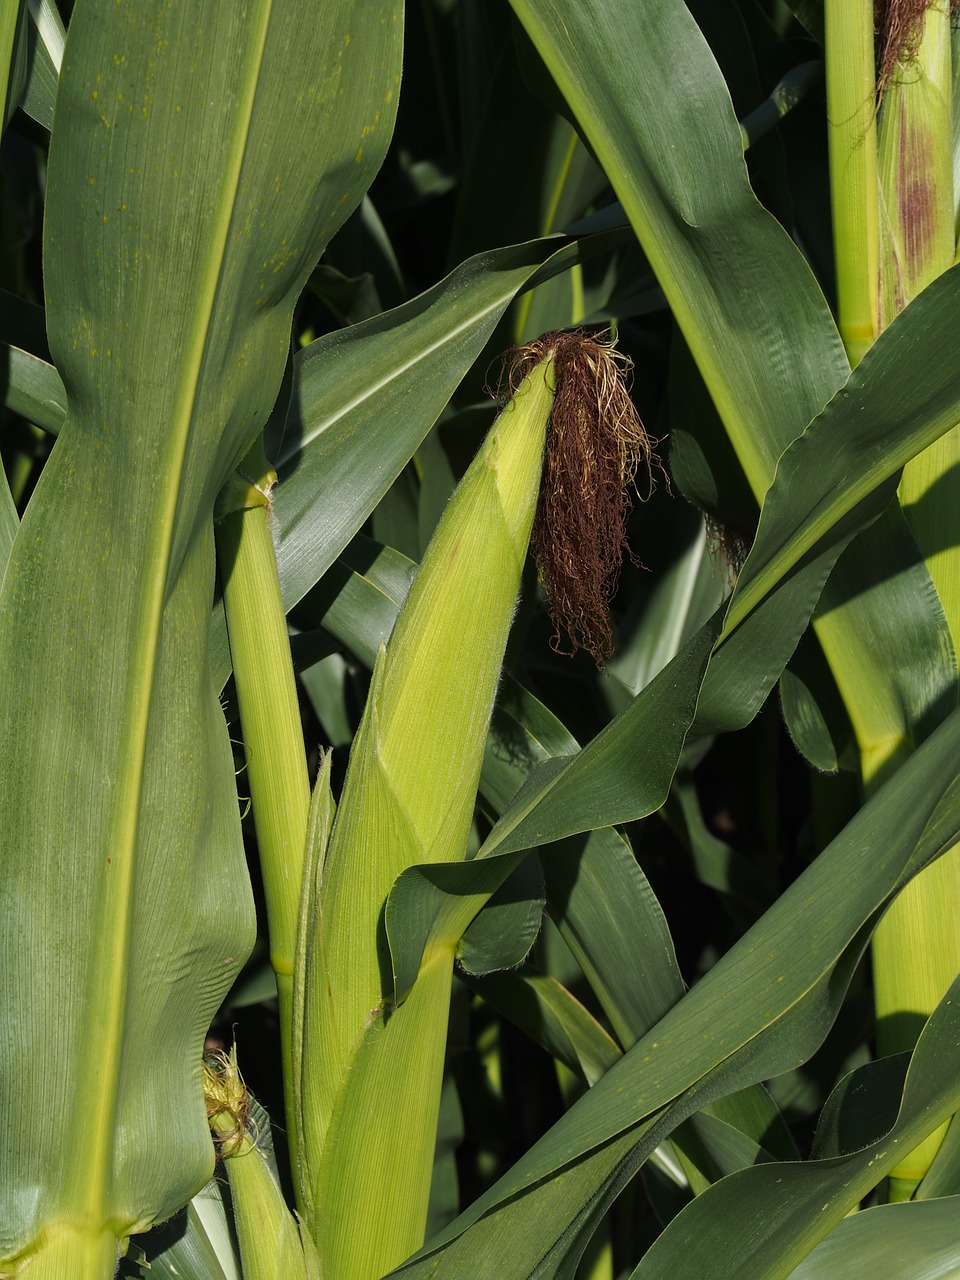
<point x="906" y="188"/>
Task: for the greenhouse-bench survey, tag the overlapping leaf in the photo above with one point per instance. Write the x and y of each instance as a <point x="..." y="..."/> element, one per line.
<point x="764" y="1007"/>
<point x="762" y="1221"/>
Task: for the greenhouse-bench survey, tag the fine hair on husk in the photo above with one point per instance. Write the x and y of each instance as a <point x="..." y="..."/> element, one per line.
<point x="595" y="445"/>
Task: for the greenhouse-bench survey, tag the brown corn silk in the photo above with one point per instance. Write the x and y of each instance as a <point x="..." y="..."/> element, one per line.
<point x="899" y="27"/>
<point x="595" y="445"/>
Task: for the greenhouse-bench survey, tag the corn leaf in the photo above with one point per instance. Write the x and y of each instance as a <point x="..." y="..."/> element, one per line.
<point x="943" y="1177"/>
<point x="904" y="395"/>
<point x="766" y="1005"/>
<point x="916" y="1240"/>
<point x="44" y="38"/>
<point x="181" y="223"/>
<point x="34" y="390"/>
<point x="725" y="265"/>
<point x="9" y="523"/>
<point x="623" y="774"/>
<point x="197" y="1244"/>
<point x="874" y="1115"/>
<point x="551" y="1017"/>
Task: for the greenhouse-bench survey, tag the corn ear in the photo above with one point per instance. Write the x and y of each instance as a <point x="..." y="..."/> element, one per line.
<point x="270" y="716"/>
<point x="916" y="167"/>
<point x="408" y="797"/>
<point x="268" y="1236"/>
<point x="916" y="948"/>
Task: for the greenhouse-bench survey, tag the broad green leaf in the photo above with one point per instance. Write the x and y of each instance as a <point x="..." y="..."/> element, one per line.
<point x="609" y="917"/>
<point x="328" y="686"/>
<point x="733" y="1133"/>
<point x="501" y="936"/>
<point x="901" y="628"/>
<point x="912" y="1241"/>
<point x="184" y="212"/>
<point x="665" y="132"/>
<point x="943" y="1176"/>
<point x="782" y="1210"/>
<point x="765" y="1004"/>
<point x="9" y="523"/>
<point x="682" y="599"/>
<point x="554" y="1218"/>
<point x="838" y="475"/>
<point x="619" y="776"/>
<point x="813" y="710"/>
<point x="741" y="674"/>
<point x="13" y="55"/>
<point x="709" y="1148"/>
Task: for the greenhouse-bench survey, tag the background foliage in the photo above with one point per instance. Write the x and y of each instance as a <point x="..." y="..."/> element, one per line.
<point x="662" y="1056"/>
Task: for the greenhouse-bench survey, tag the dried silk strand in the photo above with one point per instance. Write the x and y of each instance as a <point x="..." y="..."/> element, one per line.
<point x="596" y="444"/>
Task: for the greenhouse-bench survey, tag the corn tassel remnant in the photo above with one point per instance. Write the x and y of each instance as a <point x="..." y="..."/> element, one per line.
<point x="595" y="445"/>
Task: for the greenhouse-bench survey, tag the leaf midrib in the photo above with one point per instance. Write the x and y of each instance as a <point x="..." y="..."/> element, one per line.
<point x="103" y="1068"/>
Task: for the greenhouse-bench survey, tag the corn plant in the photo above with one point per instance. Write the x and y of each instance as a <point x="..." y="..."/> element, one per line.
<point x="607" y="895"/>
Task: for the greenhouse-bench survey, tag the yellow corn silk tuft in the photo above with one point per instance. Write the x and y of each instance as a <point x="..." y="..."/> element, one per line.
<point x="270" y="1241"/>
